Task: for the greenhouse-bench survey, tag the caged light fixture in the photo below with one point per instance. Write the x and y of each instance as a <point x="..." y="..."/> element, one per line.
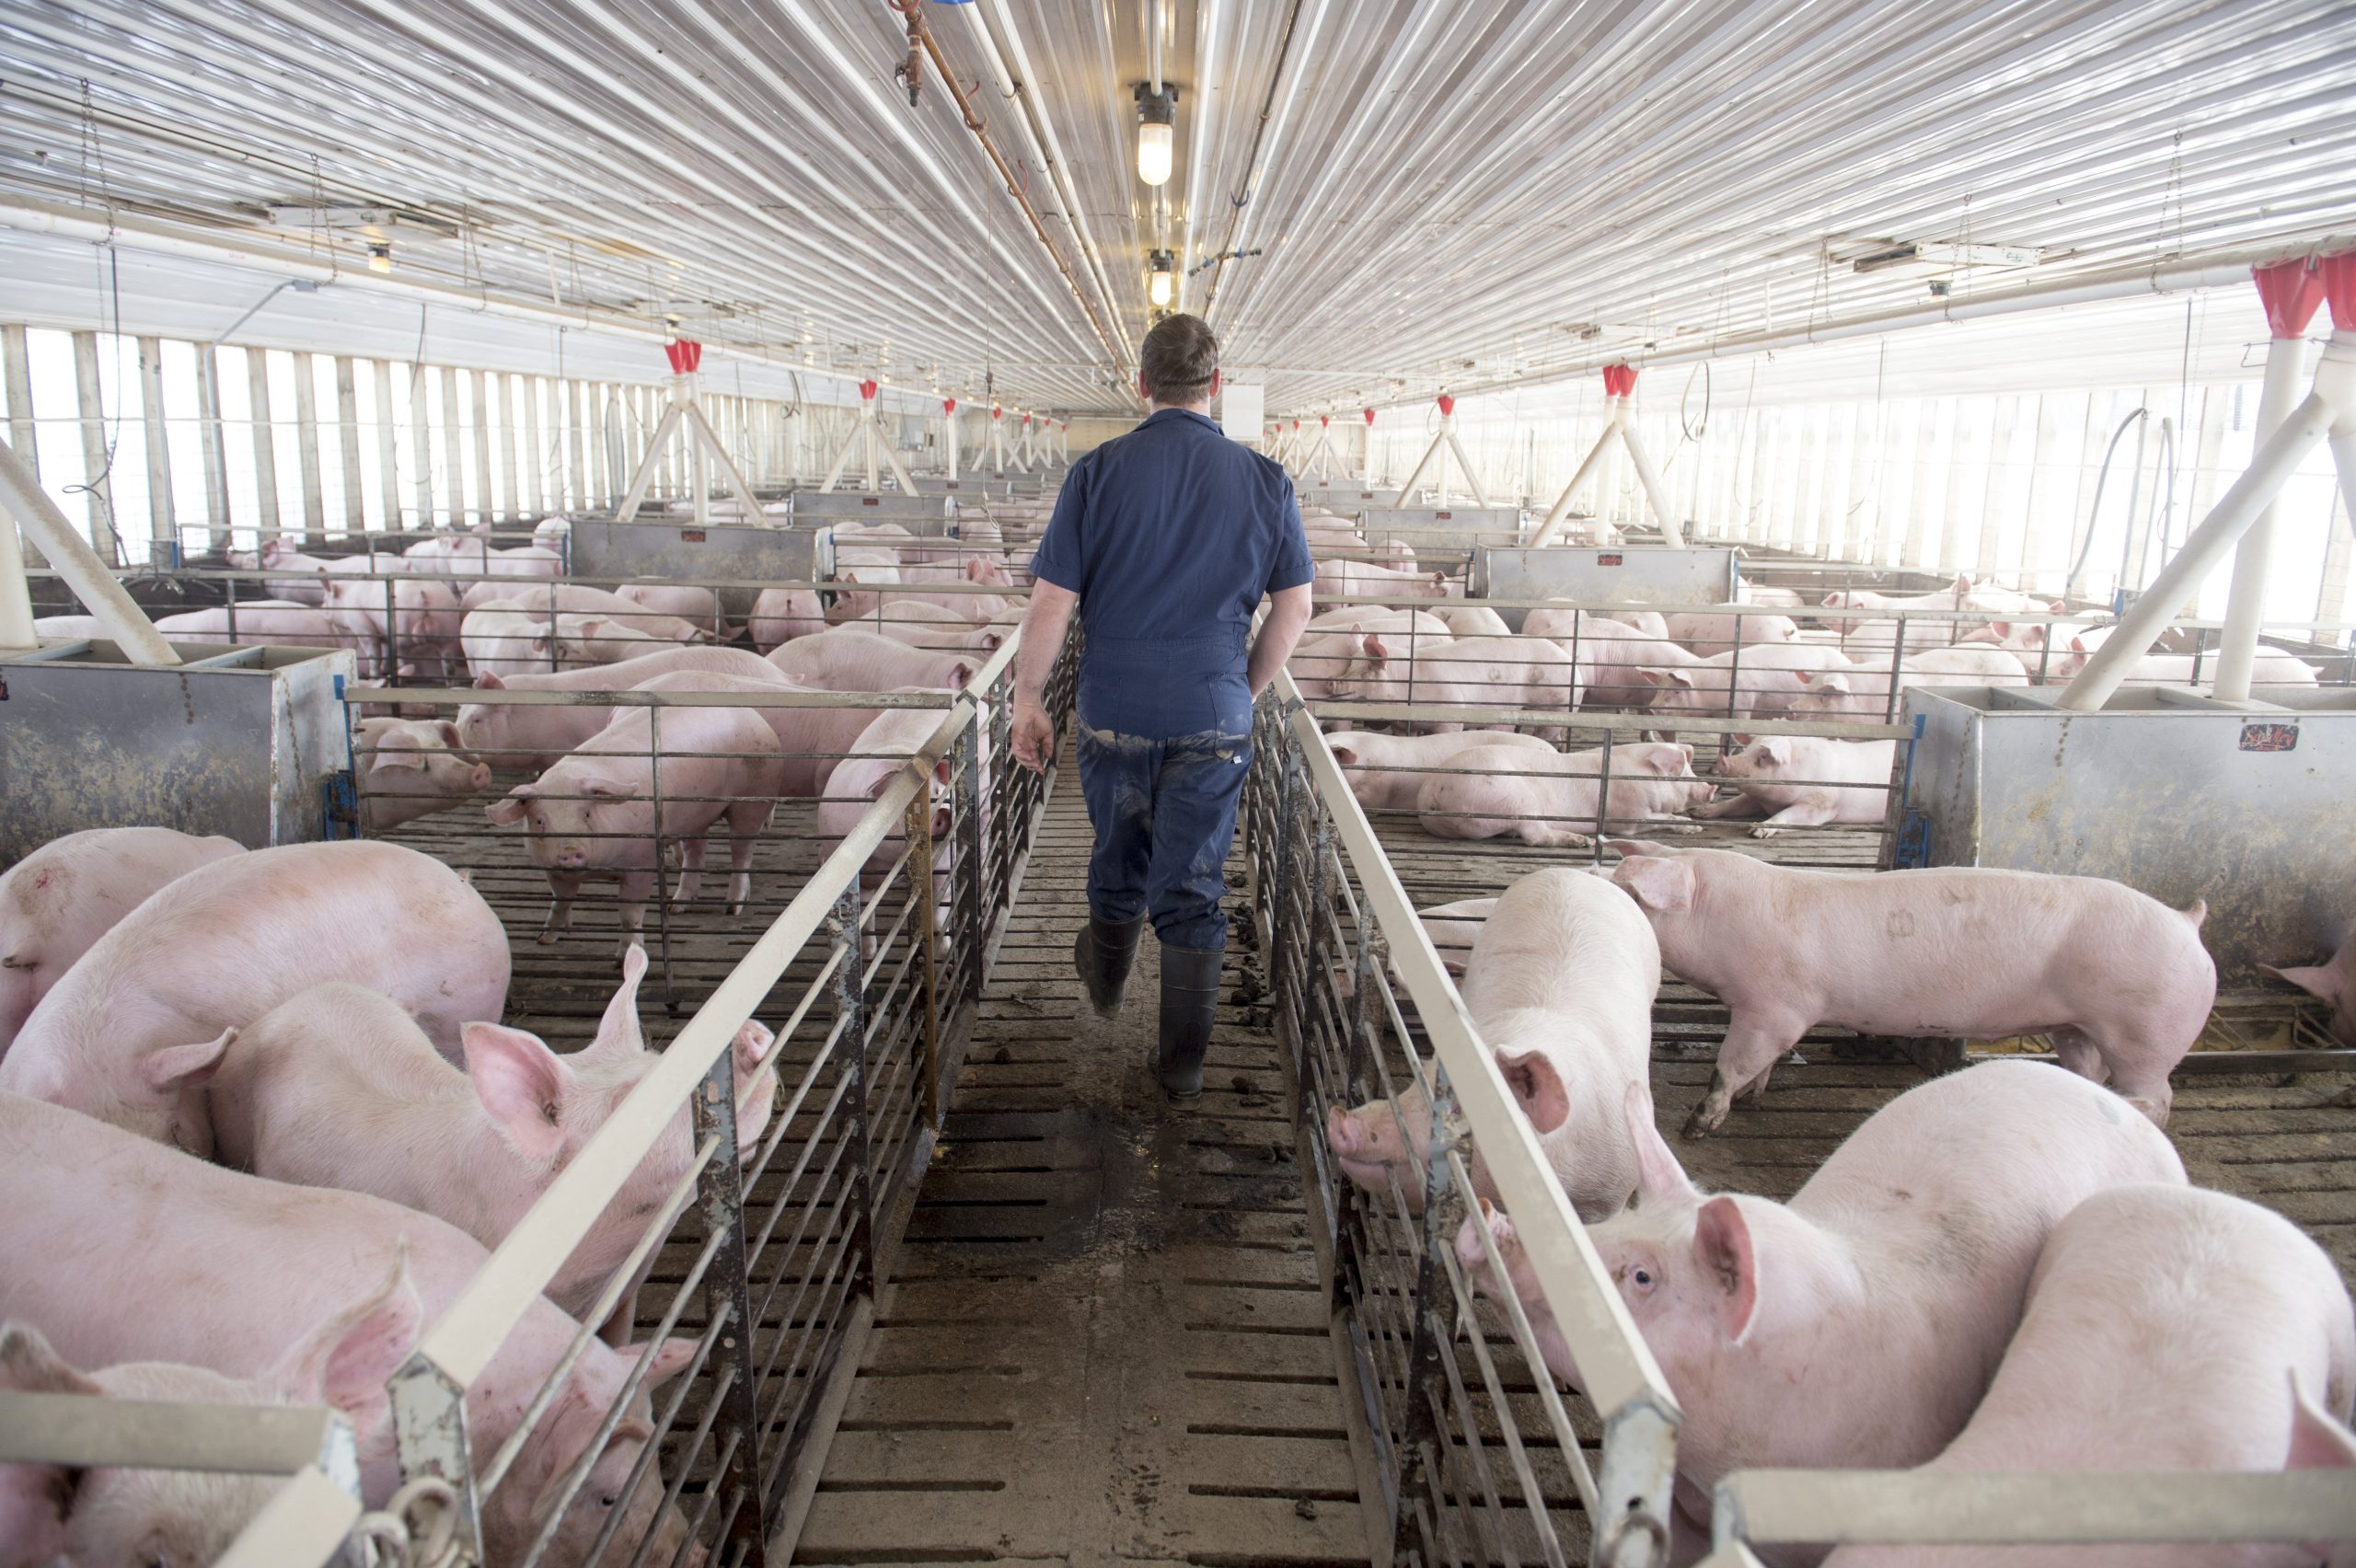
<point x="1161" y="279"/>
<point x="380" y="256"/>
<point x="1157" y="133"/>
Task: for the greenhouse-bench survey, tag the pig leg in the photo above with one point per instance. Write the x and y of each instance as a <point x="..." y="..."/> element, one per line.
<point x="562" y="889"/>
<point x="746" y="820"/>
<point x="1740" y="806"/>
<point x="637" y="889"/>
<point x="1815" y="811"/>
<point x="2077" y="1053"/>
<point x="2116" y="1060"/>
<point x="1752" y="1047"/>
<point x="690" y="873"/>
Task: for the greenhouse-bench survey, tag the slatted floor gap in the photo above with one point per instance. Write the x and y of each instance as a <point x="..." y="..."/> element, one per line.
<point x="1104" y="1339"/>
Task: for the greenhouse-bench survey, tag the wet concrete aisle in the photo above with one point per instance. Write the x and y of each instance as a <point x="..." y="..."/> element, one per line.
<point x="1104" y="1339"/>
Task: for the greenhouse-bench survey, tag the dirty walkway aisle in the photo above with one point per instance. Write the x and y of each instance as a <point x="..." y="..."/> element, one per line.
<point x="1105" y="1340"/>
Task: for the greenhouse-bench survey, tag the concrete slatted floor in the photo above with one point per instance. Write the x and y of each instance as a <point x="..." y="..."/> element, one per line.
<point x="1104" y="1339"/>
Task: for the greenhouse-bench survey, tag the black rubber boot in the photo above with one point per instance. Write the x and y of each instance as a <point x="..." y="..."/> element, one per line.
<point x="1102" y="953"/>
<point x="1189" y="1006"/>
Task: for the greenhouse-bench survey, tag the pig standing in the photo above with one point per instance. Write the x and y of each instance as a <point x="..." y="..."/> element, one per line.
<point x="881" y="753"/>
<point x="2119" y="980"/>
<point x="1561" y="983"/>
<point x="781" y="614"/>
<point x="535" y="736"/>
<point x="1551" y="800"/>
<point x="811" y="739"/>
<point x="1795" y="781"/>
<point x="102" y="1514"/>
<point x="58" y="901"/>
<point x="303" y="583"/>
<point x="1863" y="690"/>
<point x="1387" y="772"/>
<point x="698" y="607"/>
<point x="410" y="768"/>
<point x="335" y="1087"/>
<point x="175" y="1259"/>
<point x="2168" y="1329"/>
<point x="406" y="620"/>
<point x="934" y="627"/>
<point x="504" y="638"/>
<point x="1855" y="1327"/>
<point x="2334" y="983"/>
<point x="600" y="813"/>
<point x="860" y="661"/>
<point x="1332" y="640"/>
<point x="134" y="1030"/>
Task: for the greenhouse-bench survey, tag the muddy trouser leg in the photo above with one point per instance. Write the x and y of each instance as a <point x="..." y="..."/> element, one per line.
<point x="1117" y="779"/>
<point x="1200" y="785"/>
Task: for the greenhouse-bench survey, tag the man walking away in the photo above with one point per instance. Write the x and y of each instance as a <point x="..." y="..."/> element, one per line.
<point x="1166" y="539"/>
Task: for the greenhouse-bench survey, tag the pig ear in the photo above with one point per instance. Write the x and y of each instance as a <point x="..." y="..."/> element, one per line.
<point x="347" y="1362"/>
<point x="1656" y="882"/>
<point x="399" y="757"/>
<point x="669" y="1358"/>
<point x="1832" y="681"/>
<point x="1537" y="1089"/>
<point x="448" y="729"/>
<point x="1659" y="1176"/>
<point x="180" y="1067"/>
<point x="509" y="809"/>
<point x="975" y="571"/>
<point x="1679" y="677"/>
<point x="2316" y="980"/>
<point x="1777" y="749"/>
<point x="1374" y="647"/>
<point x="488" y="681"/>
<point x="961" y="674"/>
<point x="36" y="1499"/>
<point x="1721" y="1246"/>
<point x="2318" y="1442"/>
<point x="1345" y="757"/>
<point x="520" y="1083"/>
<point x="617" y="1031"/>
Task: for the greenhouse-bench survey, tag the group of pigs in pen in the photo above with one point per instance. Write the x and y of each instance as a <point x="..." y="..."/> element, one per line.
<point x="270" y="1090"/>
<point x="2003" y="1269"/>
<point x="260" y="1123"/>
<point x="1732" y="662"/>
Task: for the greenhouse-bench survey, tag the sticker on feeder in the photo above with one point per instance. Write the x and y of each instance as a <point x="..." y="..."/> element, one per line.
<point x="691" y="535"/>
<point x="2270" y="737"/>
<point x="1442" y="516"/>
<point x="870" y="500"/>
<point x="1606" y="560"/>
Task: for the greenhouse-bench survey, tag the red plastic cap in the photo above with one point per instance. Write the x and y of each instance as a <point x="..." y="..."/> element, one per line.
<point x="1296" y="427"/>
<point x="1619" y="380"/>
<point x="1324" y="421"/>
<point x="949" y="405"/>
<point x="867" y="390"/>
<point x="997" y="412"/>
<point x="1447" y="405"/>
<point x="1026" y="418"/>
<point x="1370" y="416"/>
<point x="2339" y="276"/>
<point x="2289" y="291"/>
<point x="684" y="356"/>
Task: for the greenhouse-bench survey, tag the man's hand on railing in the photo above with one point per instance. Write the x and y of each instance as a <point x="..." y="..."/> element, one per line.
<point x="1033" y="735"/>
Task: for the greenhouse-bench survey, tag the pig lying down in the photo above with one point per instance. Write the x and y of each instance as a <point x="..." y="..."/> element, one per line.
<point x="1797" y="781"/>
<point x="58" y="901"/>
<point x="2119" y="980"/>
<point x="1561" y="983"/>
<point x="249" y="1268"/>
<point x="132" y="1032"/>
<point x="337" y="1088"/>
<point x="1551" y="800"/>
<point x="2168" y="1329"/>
<point x="1858" y="1325"/>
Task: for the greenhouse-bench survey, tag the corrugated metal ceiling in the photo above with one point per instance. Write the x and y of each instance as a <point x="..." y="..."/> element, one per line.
<point x="1445" y="191"/>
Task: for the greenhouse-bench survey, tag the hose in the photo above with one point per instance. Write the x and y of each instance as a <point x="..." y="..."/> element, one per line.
<point x="2102" y="477"/>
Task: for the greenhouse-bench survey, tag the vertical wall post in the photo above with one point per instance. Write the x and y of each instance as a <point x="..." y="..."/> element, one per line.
<point x="347" y="430"/>
<point x="97" y="457"/>
<point x="17" y="371"/>
<point x="306" y="451"/>
<point x="388" y="445"/>
<point x="482" y="383"/>
<point x="2290" y="292"/>
<point x="454" y="452"/>
<point x="162" y="531"/>
<point x="420" y="445"/>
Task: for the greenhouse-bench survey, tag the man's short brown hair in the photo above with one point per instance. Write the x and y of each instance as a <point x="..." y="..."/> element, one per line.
<point x="1179" y="360"/>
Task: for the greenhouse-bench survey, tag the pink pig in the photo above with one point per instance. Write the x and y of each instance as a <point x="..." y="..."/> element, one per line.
<point x="1387" y="772"/>
<point x="2169" y="1329"/>
<point x="781" y="614"/>
<point x="1550" y="799"/>
<point x="1885" y="1290"/>
<point x="58" y="901"/>
<point x="844" y="660"/>
<point x="1530" y="673"/>
<point x="410" y="768"/>
<point x="336" y="1087"/>
<point x="535" y="736"/>
<point x="2118" y="979"/>
<point x="606" y="810"/>
<point x="1797" y="781"/>
<point x="2334" y="982"/>
<point x="134" y="1030"/>
<point x="247" y="1267"/>
<point x="1561" y="983"/>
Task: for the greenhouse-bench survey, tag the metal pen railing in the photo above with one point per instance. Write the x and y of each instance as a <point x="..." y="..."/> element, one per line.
<point x="303" y="1522"/>
<point x="1480" y="1456"/>
<point x="777" y="1251"/>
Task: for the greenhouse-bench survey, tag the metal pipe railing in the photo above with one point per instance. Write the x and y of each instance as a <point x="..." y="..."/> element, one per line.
<point x="1328" y="903"/>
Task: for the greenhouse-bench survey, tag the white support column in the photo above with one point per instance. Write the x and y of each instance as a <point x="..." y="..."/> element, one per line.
<point x="306" y="451"/>
<point x="2330" y="410"/>
<point x="16" y="594"/>
<point x="948" y="434"/>
<point x="480" y="388"/>
<point x="535" y="462"/>
<point x="1369" y="477"/>
<point x="347" y="427"/>
<point x="388" y="443"/>
<point x="420" y="448"/>
<point x="89" y="403"/>
<point x="2290" y="291"/>
<point x="454" y="454"/>
<point x="91" y="579"/>
<point x="16" y="372"/>
<point x="162" y="531"/>
<point x="997" y="440"/>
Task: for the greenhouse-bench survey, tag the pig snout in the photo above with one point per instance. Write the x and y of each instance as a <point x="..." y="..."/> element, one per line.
<point x="480" y="777"/>
<point x="1368" y="1143"/>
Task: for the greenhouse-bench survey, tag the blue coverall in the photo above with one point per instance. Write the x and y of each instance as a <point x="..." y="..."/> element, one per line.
<point x="1169" y="535"/>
